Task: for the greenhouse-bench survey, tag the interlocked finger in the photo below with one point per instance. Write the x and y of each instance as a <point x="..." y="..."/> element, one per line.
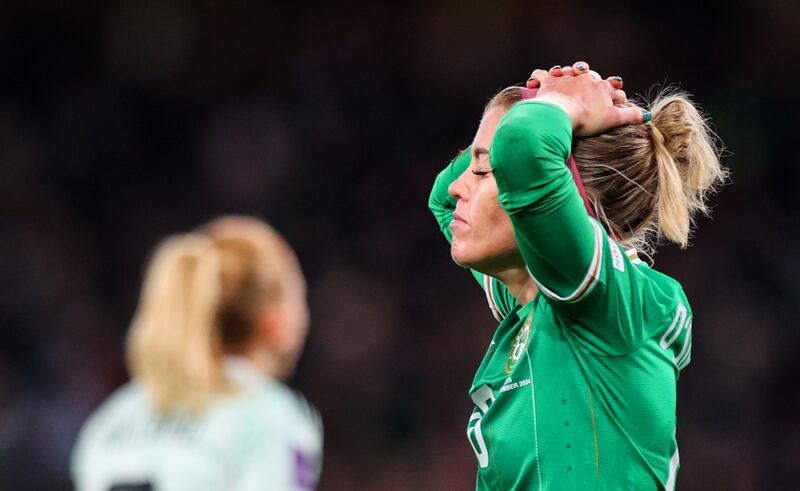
<point x="536" y="78"/>
<point x="580" y="67"/>
<point x="619" y="97"/>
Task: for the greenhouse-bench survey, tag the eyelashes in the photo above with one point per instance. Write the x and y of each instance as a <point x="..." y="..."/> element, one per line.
<point x="478" y="172"/>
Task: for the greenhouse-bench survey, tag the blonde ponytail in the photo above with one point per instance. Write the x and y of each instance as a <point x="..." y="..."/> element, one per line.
<point x="203" y="297"/>
<point x="649" y="181"/>
<point x="673" y="210"/>
<point x="173" y="345"/>
<point x="688" y="164"/>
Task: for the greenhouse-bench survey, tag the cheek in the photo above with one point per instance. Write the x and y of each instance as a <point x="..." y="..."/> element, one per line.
<point x="296" y="319"/>
<point x="299" y="324"/>
<point x="488" y="215"/>
<point x="494" y="234"/>
<point x="502" y="234"/>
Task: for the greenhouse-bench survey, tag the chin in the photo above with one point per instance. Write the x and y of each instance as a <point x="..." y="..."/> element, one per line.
<point x="486" y="263"/>
<point x="464" y="259"/>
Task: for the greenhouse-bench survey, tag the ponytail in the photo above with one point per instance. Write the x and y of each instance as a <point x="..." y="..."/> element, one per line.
<point x="173" y="347"/>
<point x="202" y="298"/>
<point x="673" y="210"/>
<point x="688" y="164"/>
<point x="649" y="181"/>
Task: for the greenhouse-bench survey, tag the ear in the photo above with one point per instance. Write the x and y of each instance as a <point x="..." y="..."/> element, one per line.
<point x="269" y="326"/>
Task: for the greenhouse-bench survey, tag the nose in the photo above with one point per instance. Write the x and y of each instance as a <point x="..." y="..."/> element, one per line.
<point x="458" y="189"/>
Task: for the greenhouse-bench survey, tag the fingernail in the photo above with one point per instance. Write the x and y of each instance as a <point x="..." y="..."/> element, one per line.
<point x="531" y="79"/>
<point x="646" y="115"/>
<point x="580" y="67"/>
<point x="616" y="77"/>
<point x="556" y="67"/>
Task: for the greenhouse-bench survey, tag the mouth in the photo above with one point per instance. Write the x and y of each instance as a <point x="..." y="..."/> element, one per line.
<point x="457" y="222"/>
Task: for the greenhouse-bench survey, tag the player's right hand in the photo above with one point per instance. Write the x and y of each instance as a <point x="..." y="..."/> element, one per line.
<point x="588" y="100"/>
<point x="534" y="81"/>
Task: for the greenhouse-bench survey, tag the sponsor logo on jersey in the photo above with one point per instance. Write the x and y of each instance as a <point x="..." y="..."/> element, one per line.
<point x="616" y="256"/>
<point x="305" y="470"/>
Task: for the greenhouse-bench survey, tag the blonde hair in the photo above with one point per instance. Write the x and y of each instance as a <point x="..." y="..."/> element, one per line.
<point x="648" y="181"/>
<point x="201" y="298"/>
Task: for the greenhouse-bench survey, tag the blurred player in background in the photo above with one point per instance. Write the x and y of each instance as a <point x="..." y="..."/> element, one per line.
<point x="578" y="387"/>
<point x="221" y="321"/>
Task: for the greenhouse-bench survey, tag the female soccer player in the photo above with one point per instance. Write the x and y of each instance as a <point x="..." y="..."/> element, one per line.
<point x="577" y="388"/>
<point x="221" y="320"/>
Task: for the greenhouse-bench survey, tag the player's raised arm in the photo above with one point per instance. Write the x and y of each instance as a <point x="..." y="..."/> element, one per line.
<point x="637" y="181"/>
<point x="555" y="190"/>
<point x="441" y="204"/>
<point x="558" y="241"/>
<point x="443" y="207"/>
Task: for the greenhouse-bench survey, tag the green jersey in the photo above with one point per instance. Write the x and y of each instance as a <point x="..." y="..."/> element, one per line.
<point x="577" y="389"/>
<point x="264" y="437"/>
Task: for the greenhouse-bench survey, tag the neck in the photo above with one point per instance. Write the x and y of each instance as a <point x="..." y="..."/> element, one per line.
<point x="264" y="360"/>
<point x="519" y="283"/>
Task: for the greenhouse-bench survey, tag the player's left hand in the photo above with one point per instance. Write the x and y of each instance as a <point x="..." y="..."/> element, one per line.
<point x="579" y="68"/>
<point x="589" y="101"/>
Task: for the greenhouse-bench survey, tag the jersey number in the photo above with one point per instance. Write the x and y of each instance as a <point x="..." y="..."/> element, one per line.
<point x="680" y="323"/>
<point x="482" y="398"/>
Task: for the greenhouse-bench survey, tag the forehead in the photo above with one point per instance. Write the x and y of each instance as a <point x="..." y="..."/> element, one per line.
<point x="489" y="122"/>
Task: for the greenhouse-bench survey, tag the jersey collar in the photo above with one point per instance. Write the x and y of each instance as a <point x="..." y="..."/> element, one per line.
<point x="633" y="255"/>
<point x="243" y="371"/>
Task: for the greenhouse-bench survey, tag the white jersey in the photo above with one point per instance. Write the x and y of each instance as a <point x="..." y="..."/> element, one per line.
<point x="265" y="438"/>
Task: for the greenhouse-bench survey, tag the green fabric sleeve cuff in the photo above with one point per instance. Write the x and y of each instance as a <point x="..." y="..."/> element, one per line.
<point x="441" y="204"/>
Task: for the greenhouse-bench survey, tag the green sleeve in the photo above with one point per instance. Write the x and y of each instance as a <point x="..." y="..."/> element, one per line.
<point x="612" y="301"/>
<point x="554" y="233"/>
<point x="442" y="205"/>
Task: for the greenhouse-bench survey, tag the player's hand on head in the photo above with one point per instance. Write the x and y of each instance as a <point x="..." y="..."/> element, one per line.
<point x="555" y="71"/>
<point x="578" y="68"/>
<point x="588" y="100"/>
<point x="536" y="78"/>
<point x="534" y="81"/>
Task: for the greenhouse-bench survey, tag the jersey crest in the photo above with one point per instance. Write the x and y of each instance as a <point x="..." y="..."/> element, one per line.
<point x="519" y="345"/>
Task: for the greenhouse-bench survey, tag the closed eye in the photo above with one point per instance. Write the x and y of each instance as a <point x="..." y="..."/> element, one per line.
<point x="481" y="156"/>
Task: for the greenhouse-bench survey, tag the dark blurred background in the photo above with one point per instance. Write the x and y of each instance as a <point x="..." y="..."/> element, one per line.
<point x="124" y="121"/>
